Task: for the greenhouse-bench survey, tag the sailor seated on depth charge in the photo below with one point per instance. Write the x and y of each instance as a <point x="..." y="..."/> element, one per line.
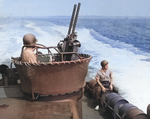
<point x="103" y="82"/>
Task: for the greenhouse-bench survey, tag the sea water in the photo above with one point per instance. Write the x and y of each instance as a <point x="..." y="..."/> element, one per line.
<point x="123" y="42"/>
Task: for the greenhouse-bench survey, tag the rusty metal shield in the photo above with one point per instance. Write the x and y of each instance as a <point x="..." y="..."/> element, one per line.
<point x="53" y="78"/>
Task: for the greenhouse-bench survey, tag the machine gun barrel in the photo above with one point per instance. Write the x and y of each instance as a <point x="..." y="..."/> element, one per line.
<point x="71" y="35"/>
<point x="76" y="17"/>
<point x="72" y="19"/>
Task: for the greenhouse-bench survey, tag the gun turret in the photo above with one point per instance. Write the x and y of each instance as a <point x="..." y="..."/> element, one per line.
<point x="70" y="43"/>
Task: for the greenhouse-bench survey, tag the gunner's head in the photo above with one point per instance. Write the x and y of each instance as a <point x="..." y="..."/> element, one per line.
<point x="29" y="39"/>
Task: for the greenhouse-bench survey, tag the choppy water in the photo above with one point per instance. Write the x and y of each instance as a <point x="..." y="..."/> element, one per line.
<point x="124" y="42"/>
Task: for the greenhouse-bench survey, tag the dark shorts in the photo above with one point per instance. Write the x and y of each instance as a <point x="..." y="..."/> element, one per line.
<point x="106" y="84"/>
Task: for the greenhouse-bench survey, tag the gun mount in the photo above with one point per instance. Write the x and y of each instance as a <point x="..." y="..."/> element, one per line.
<point x="70" y="43"/>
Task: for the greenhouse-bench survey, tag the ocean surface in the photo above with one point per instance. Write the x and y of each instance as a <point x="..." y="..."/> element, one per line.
<point x="123" y="42"/>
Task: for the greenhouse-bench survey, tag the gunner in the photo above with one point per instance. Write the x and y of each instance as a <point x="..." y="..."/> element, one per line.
<point x="28" y="52"/>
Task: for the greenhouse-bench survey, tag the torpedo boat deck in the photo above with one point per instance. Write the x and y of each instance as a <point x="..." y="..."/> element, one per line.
<point x="15" y="107"/>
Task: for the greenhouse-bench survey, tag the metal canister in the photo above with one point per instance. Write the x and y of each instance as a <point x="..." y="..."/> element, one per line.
<point x="124" y="109"/>
<point x="135" y="114"/>
<point x="117" y="106"/>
